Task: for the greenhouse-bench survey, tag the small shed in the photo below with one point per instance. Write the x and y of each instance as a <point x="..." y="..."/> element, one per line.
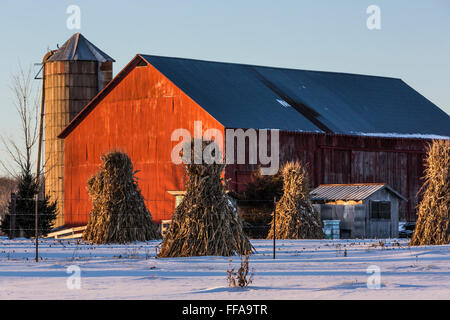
<point x="365" y="210"/>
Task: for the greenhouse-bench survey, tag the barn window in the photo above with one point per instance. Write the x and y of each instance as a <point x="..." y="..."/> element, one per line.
<point x="380" y="210"/>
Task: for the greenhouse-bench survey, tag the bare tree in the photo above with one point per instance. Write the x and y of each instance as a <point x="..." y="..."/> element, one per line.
<point x="26" y="102"/>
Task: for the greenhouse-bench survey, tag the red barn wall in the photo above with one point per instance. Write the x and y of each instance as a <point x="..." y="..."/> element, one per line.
<point x="138" y="117"/>
<point x="351" y="159"/>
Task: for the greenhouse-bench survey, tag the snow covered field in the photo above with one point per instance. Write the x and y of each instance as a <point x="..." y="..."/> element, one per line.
<point x="304" y="269"/>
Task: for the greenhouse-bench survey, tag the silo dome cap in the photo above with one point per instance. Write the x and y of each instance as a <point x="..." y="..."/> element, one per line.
<point x="79" y="48"/>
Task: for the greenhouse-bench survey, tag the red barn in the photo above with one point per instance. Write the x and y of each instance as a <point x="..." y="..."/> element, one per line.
<point x="349" y="128"/>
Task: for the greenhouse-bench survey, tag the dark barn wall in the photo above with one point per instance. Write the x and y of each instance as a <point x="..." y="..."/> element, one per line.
<point x="351" y="159"/>
<point x="138" y="116"/>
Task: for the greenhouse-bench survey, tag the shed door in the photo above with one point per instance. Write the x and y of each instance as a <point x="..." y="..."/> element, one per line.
<point x="380" y="219"/>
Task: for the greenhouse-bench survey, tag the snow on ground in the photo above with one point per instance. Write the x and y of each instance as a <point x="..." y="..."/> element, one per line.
<point x="303" y="269"/>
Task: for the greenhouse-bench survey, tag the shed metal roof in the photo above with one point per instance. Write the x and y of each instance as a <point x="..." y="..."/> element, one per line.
<point x="79" y="48"/>
<point x="246" y="96"/>
<point x="358" y="191"/>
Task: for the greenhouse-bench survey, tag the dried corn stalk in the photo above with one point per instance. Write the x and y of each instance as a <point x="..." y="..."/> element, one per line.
<point x="119" y="214"/>
<point x="295" y="215"/>
<point x="206" y="222"/>
<point x="433" y="222"/>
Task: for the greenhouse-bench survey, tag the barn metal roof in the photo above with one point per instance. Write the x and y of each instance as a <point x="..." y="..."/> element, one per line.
<point x="358" y="191"/>
<point x="79" y="48"/>
<point x="246" y="96"/>
<point x="233" y="94"/>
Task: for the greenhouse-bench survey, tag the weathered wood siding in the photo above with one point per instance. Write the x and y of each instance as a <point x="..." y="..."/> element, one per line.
<point x="353" y="218"/>
<point x="336" y="158"/>
<point x="356" y="221"/>
<point x="382" y="228"/>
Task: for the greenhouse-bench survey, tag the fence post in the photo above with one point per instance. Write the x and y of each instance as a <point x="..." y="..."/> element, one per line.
<point x="36" y="235"/>
<point x="274" y="224"/>
<point x="12" y="217"/>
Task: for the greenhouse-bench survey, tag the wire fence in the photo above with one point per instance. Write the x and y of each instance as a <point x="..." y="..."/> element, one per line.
<point x="161" y="211"/>
<point x="15" y="229"/>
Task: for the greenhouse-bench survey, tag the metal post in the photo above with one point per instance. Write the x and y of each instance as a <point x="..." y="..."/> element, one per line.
<point x="12" y="217"/>
<point x="41" y="130"/>
<point x="36" y="226"/>
<point x="38" y="163"/>
<point x="274" y="224"/>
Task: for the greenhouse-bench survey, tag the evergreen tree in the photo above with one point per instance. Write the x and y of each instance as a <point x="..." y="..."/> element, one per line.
<point x="25" y="209"/>
<point x="256" y="202"/>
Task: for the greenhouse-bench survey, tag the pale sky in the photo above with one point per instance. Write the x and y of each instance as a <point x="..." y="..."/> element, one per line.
<point x="413" y="43"/>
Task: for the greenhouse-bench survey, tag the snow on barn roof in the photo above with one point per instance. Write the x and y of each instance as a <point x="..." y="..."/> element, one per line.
<point x="356" y="191"/>
<point x="246" y="96"/>
<point x="79" y="48"/>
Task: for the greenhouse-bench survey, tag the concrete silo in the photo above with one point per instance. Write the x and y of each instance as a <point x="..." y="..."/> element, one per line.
<point x="73" y="75"/>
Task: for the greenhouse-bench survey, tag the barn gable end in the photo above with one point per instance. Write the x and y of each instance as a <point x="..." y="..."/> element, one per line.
<point x="137" y="114"/>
